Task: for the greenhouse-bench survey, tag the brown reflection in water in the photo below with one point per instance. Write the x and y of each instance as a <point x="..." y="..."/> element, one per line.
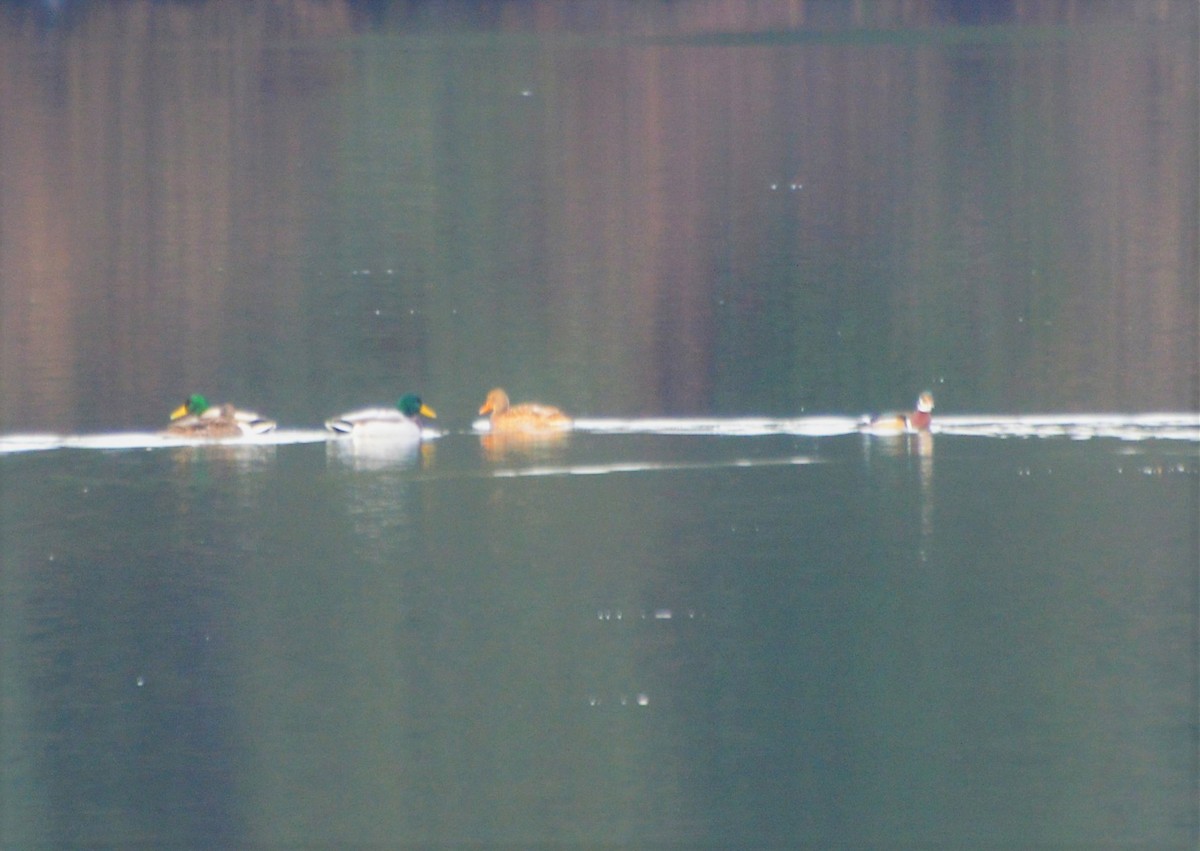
<point x="155" y="145"/>
<point x="918" y="448"/>
<point x="36" y="297"/>
<point x="198" y="461"/>
<point x="922" y="444"/>
<point x="1076" y="248"/>
<point x="524" y="446"/>
<point x="172" y="164"/>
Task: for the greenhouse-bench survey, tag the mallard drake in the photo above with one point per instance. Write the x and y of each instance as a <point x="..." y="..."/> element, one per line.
<point x="197" y="418"/>
<point x="398" y="423"/>
<point x="911" y="421"/>
<point x="526" y="417"/>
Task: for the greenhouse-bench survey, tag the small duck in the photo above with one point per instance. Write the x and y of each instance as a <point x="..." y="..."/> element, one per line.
<point x="526" y="417"/>
<point x="197" y="418"/>
<point x="913" y="421"/>
<point x="398" y="423"/>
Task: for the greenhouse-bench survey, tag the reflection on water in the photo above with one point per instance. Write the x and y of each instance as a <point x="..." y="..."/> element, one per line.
<point x="712" y="631"/>
<point x="524" y="446"/>
<point x="902" y="463"/>
<point x="924" y="452"/>
<point x="364" y="454"/>
<point x="247" y="460"/>
<point x="917" y="448"/>
<point x="1009" y="214"/>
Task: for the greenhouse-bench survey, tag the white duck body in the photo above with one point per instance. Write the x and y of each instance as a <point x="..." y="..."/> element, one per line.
<point x="401" y="423"/>
<point x="376" y="422"/>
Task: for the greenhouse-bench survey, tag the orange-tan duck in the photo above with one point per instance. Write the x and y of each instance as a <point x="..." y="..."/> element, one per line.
<point x="528" y="417"/>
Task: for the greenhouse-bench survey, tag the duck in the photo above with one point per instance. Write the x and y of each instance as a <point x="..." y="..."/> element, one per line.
<point x="526" y="417"/>
<point x="399" y="423"/>
<point x="912" y="421"/>
<point x="197" y="418"/>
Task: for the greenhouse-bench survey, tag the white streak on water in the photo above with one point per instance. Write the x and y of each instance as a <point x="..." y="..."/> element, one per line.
<point x="723" y="426"/>
<point x="152" y="440"/>
<point x="1159" y="426"/>
<point x="647" y="466"/>
<point x="1156" y="426"/>
<point x="159" y="440"/>
<point x="1128" y="427"/>
<point x="29" y="442"/>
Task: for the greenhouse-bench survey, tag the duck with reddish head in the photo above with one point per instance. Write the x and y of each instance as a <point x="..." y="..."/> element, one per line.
<point x="902" y="423"/>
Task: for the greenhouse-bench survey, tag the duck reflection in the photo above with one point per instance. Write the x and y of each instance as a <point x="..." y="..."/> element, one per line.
<point x="921" y="445"/>
<point x="918" y="444"/>
<point x="376" y="490"/>
<point x="523" y="446"/>
<point x="366" y="454"/>
<point x="915" y="446"/>
<point x="225" y="477"/>
<point x="238" y="457"/>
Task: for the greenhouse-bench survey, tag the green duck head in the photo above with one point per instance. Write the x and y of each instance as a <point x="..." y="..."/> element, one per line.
<point x="194" y="404"/>
<point x="410" y="405"/>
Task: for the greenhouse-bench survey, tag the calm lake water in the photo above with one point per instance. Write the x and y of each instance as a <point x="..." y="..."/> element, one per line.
<point x="715" y="615"/>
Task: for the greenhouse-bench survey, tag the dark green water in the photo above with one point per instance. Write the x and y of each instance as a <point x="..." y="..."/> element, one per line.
<point x="796" y="637"/>
<point x="985" y="643"/>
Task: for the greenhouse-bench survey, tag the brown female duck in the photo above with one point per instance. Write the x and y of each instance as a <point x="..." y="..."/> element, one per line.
<point x="526" y="417"/>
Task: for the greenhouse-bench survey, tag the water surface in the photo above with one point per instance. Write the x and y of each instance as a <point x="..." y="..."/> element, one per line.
<point x="716" y="615"/>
